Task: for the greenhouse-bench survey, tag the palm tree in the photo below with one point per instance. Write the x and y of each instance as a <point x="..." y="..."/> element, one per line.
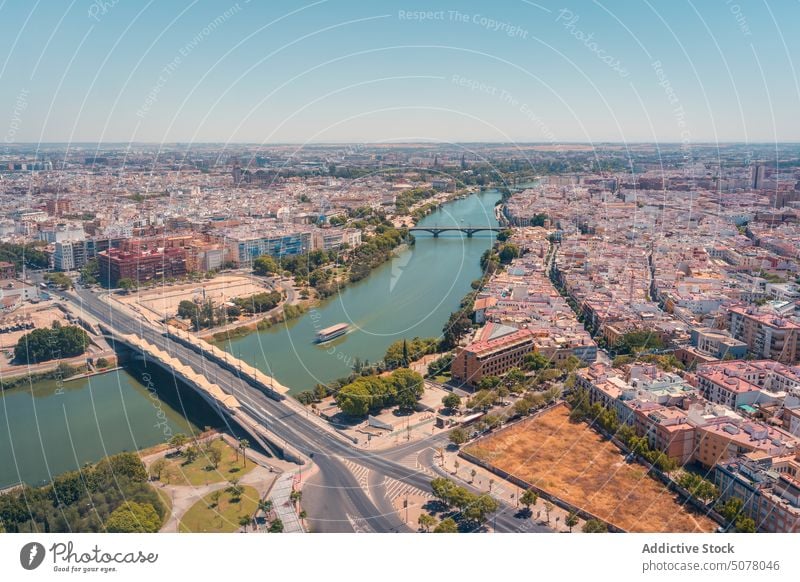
<point x="472" y="475"/>
<point x="491" y="482"/>
<point x="455" y="466"/>
<point x="296" y="496"/>
<point x="244" y="521"/>
<point x="215" y="498"/>
<point x="426" y="521"/>
<point x="548" y="507"/>
<point x="571" y="521"/>
<point x="244" y="444"/>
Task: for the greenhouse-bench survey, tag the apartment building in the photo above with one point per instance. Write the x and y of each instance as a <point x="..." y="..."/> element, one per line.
<point x="768" y="487"/>
<point x="767" y="335"/>
<point x="141" y="265"/>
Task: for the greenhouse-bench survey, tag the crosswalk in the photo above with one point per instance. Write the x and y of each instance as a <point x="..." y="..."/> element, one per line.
<point x="391" y="488"/>
<point x="395" y="489"/>
<point x="359" y="524"/>
<point x="360" y="473"/>
<point x="412" y="462"/>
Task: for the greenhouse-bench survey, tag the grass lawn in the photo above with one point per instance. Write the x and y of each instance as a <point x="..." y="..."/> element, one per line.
<point x="201" y="471"/>
<point x="166" y="500"/>
<point x="224" y="517"/>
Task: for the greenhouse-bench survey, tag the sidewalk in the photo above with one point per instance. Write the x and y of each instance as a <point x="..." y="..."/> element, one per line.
<point x="282" y="505"/>
<point x="505" y="491"/>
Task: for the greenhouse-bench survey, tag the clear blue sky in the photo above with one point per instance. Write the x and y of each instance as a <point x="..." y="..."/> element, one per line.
<point x="341" y="70"/>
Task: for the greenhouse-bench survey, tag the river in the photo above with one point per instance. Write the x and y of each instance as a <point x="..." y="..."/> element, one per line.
<point x="411" y="295"/>
<point x="47" y="430"/>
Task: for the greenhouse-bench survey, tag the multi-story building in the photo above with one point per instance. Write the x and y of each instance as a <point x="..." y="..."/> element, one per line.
<point x="333" y="238"/>
<point x="767" y="335"/>
<point x="246" y="247"/>
<point x="717" y="343"/>
<point x="70" y="255"/>
<point x="58" y="206"/>
<point x="141" y="265"/>
<point x="768" y="487"/>
<point x="7" y="270"/>
<point x="497" y="349"/>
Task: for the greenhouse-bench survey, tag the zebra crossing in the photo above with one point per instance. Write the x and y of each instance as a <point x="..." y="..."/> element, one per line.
<point x="412" y="462"/>
<point x="395" y="489"/>
<point x="359" y="524"/>
<point x="360" y="473"/>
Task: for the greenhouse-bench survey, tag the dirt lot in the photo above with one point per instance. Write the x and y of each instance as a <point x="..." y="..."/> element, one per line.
<point x="573" y="462"/>
<point x="165" y="300"/>
<point x="39" y="315"/>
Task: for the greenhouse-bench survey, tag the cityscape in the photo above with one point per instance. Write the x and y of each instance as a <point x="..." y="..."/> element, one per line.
<point x="336" y="268"/>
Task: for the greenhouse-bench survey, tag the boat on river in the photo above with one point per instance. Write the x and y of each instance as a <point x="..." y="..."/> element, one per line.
<point x="329" y="333"/>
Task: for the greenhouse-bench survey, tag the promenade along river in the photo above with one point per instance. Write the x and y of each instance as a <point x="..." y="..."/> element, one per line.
<point x="411" y="295"/>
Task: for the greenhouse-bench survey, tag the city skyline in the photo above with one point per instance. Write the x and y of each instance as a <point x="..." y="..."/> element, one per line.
<point x="328" y="72"/>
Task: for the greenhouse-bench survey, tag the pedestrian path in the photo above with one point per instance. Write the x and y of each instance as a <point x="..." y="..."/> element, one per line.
<point x="283" y="506"/>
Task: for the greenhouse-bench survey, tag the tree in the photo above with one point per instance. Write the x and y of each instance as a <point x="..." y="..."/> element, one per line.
<point x="243" y="445"/>
<point x="594" y="526"/>
<point x="530" y="497"/>
<point x="235" y="489"/>
<point x="481" y="507"/>
<point x="133" y="517"/>
<point x="426" y="521"/>
<point x="191" y="453"/>
<point x="456" y="327"/>
<point x="157" y="467"/>
<point x="126" y="284"/>
<point x="731" y="509"/>
<point x="215" y="496"/>
<point x="276" y="526"/>
<point x="508" y="253"/>
<point x="458" y="436"/>
<point x="745" y="525"/>
<point x="354" y="399"/>
<point x="60" y="280"/>
<point x="408" y="388"/>
<point x="447" y="525"/>
<point x="571" y="521"/>
<point x="244" y="521"/>
<point x="43" y="344"/>
<point x="214" y="456"/>
<point x="548" y="507"/>
<point x="451" y="401"/>
<point x="177" y="441"/>
<point x="265" y="265"/>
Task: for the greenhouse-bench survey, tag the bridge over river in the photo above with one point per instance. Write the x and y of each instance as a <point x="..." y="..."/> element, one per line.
<point x="468" y="230"/>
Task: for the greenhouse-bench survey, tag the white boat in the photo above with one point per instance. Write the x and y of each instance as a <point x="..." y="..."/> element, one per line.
<point x="331" y="332"/>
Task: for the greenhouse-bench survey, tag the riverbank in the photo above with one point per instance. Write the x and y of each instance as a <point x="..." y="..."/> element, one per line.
<point x="56" y="426"/>
<point x="410" y="295"/>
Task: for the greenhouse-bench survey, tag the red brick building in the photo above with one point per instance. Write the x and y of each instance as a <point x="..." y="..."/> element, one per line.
<point x="141" y="265"/>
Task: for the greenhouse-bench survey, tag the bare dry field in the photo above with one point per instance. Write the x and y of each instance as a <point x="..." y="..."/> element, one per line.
<point x="576" y="464"/>
<point x="162" y="301"/>
<point x="41" y="316"/>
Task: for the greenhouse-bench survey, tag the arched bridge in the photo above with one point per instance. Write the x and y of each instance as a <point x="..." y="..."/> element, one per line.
<point x="468" y="230"/>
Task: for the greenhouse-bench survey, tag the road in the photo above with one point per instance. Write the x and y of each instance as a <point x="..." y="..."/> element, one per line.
<point x="333" y="498"/>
